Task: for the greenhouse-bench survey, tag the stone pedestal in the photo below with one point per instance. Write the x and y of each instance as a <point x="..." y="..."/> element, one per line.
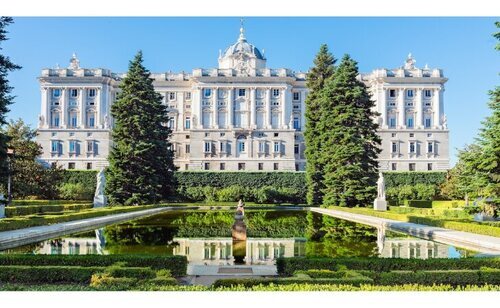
<point x="380" y="205"/>
<point x="100" y="201"/>
<point x="239" y="231"/>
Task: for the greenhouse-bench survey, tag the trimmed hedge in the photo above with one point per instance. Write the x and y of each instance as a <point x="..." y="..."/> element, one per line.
<point x="34" y="220"/>
<point x="177" y="265"/>
<point x="288" y="266"/>
<point x="394" y="179"/>
<point x="454" y="278"/>
<point x="86" y="177"/>
<point x="45" y="202"/>
<point x="418" y="203"/>
<point x="12" y="211"/>
<point x="294" y="180"/>
<point x="448" y="204"/>
<point x="66" y="274"/>
<point x="247" y="283"/>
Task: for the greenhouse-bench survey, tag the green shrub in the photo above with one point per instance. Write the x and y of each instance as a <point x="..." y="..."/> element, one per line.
<point x="195" y="193"/>
<point x="395" y="179"/>
<point x="76" y="191"/>
<point x="406" y="192"/>
<point x="418" y="203"/>
<point x="454" y="277"/>
<point x="130" y="272"/>
<point x="447" y="204"/>
<point x="88" y="178"/>
<point x="247" y="283"/>
<point x="104" y="281"/>
<point x="47" y="274"/>
<point x="177" y="265"/>
<point x="45" y="202"/>
<point x="425" y="191"/>
<point x="288" y="266"/>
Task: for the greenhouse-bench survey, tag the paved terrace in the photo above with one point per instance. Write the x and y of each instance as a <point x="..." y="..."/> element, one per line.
<point x="477" y="242"/>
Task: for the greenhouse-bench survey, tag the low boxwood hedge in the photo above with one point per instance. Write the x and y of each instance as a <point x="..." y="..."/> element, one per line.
<point x="47" y="274"/>
<point x="454" y="277"/>
<point x="12" y="211"/>
<point x="232" y="282"/>
<point x="288" y="266"/>
<point x="177" y="265"/>
<point x="418" y="203"/>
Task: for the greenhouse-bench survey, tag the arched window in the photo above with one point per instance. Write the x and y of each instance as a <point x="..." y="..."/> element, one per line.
<point x="55" y="116"/>
<point x="91" y="118"/>
<point x="73" y="118"/>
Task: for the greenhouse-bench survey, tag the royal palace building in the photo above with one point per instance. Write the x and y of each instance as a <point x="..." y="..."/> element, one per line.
<point x="240" y="116"/>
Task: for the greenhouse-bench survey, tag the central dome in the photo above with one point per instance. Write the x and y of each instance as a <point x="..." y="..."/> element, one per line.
<point x="242" y="46"/>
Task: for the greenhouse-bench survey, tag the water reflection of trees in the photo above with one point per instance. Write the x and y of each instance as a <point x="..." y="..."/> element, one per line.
<point x="138" y="235"/>
<point x="333" y="237"/>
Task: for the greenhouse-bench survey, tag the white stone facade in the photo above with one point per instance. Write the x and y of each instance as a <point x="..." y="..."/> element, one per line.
<point x="239" y="116"/>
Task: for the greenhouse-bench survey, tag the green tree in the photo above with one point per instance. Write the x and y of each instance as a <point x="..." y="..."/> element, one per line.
<point x="6" y="66"/>
<point x="350" y="144"/>
<point x="141" y="160"/>
<point x="322" y="70"/>
<point x="29" y="177"/>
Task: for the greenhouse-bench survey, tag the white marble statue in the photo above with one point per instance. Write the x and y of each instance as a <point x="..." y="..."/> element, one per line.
<point x="100" y="199"/>
<point x="106" y="121"/>
<point x="445" y="121"/>
<point x="40" y="120"/>
<point x="380" y="204"/>
<point x="380" y="187"/>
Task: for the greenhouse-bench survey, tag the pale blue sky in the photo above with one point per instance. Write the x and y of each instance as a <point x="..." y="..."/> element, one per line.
<point x="462" y="47"/>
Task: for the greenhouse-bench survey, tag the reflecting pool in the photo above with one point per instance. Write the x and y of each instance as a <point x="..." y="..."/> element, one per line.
<point x="204" y="237"/>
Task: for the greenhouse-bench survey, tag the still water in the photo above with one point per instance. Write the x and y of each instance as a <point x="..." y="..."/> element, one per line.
<point x="205" y="238"/>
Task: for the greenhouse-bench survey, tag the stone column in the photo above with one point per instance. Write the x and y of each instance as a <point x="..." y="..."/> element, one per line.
<point x="401" y="108"/>
<point x="302" y="111"/>
<point x="284" y="120"/>
<point x="64" y="108"/>
<point x="196" y="108"/>
<point x="271" y="251"/>
<point x="81" y="107"/>
<point x="383" y="110"/>
<point x="252" y="108"/>
<point x="419" y="104"/>
<point x="250" y="146"/>
<point x="287" y="101"/>
<point x="99" y="115"/>
<point x="215" y="98"/>
<point x="436" y="107"/>
<point x="268" y="106"/>
<point x="180" y="117"/>
<point x="45" y="111"/>
<point x="230" y="107"/>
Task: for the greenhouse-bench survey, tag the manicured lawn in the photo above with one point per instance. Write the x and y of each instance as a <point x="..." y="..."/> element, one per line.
<point x="458" y="222"/>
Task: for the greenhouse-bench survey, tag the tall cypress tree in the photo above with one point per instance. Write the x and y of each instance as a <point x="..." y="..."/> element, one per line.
<point x="322" y="70"/>
<point x="141" y="160"/>
<point x="349" y="141"/>
<point x="6" y="66"/>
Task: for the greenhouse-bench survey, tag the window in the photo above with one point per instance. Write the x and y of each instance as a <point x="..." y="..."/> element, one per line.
<point x="53" y="165"/>
<point x="187" y="123"/>
<point x="409" y="122"/>
<point x="55" y="119"/>
<point x="92" y="92"/>
<point x="429" y="167"/>
<point x="429" y="135"/>
<point x="394" y="147"/>
<point x="430" y="147"/>
<point x="188" y="148"/>
<point x="72" y="146"/>
<point x="56" y="92"/>
<point x="222" y="147"/>
<point x="207" y="92"/>
<point x="411" y="166"/>
<point x="261" y="166"/>
<point x="427" y="122"/>
<point x="276" y="134"/>
<point x="74" y="92"/>
<point x="392" y="93"/>
<point x="54" y="146"/>
<point x="394" y="166"/>
<point x="241" y="166"/>
<point x="241" y="92"/>
<point x="296" y="149"/>
<point x="297" y="167"/>
<point x="412" y="135"/>
<point x="206" y="166"/>
<point x="427" y="93"/>
<point x="262" y="146"/>
<point x="89" y="166"/>
<point x="275" y="166"/>
<point x="171" y="96"/>
<point x="73" y="120"/>
<point x="412" y="147"/>
<point x="188" y="96"/>
<point x="186" y="166"/>
<point x="392" y="122"/>
<point x="409" y="93"/>
<point x="208" y="146"/>
<point x="91" y="119"/>
<point x="222" y="166"/>
<point x="241" y="146"/>
<point x="187" y="136"/>
<point x="90" y="146"/>
<point x="393" y="135"/>
<point x="71" y="165"/>
<point x="296" y="123"/>
<point x="171" y="123"/>
<point x="296" y="96"/>
<point x="276" y="92"/>
<point x="276" y="147"/>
